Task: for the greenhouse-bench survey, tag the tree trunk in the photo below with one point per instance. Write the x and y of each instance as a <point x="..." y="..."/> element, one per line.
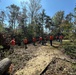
<point x="4" y="65"/>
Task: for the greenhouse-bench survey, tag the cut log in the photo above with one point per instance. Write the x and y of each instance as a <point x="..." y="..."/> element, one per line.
<point x="4" y="65"/>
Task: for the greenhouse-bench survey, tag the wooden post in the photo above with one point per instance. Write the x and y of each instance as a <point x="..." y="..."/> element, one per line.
<point x="4" y="65"/>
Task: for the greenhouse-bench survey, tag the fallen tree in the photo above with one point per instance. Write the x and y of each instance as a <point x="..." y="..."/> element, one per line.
<point x="4" y="65"/>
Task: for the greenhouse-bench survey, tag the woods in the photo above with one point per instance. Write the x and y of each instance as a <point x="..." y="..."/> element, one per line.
<point x="31" y="20"/>
<point x="27" y="23"/>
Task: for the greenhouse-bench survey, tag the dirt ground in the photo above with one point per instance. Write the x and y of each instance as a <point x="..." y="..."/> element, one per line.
<point x="58" y="67"/>
<point x="21" y="55"/>
<point x="42" y="56"/>
<point x="40" y="60"/>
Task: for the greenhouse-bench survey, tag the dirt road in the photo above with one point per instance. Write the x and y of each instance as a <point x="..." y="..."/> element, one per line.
<point x="42" y="57"/>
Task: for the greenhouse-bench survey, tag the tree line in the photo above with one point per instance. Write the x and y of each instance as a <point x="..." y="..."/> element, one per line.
<point x="30" y="20"/>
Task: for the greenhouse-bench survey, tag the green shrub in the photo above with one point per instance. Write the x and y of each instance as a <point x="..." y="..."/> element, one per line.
<point x="70" y="50"/>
